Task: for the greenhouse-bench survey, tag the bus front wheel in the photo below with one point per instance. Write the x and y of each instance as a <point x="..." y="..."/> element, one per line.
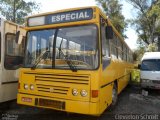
<point x="114" y="96"/>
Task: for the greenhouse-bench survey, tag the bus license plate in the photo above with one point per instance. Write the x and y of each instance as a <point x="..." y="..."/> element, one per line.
<point x="52" y="103"/>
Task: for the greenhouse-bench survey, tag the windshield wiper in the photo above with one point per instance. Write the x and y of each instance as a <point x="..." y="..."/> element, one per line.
<point x="67" y="59"/>
<point x="42" y="56"/>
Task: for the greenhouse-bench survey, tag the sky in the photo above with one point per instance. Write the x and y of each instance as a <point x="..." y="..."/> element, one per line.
<point x="127" y="11"/>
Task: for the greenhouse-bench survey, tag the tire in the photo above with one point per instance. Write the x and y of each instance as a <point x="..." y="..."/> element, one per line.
<point x="114" y="96"/>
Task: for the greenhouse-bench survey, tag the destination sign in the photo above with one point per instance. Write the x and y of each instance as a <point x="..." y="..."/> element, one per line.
<point x="71" y="16"/>
<point x="61" y="17"/>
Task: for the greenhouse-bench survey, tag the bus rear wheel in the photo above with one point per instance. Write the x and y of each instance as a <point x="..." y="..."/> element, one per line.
<point x="114" y="96"/>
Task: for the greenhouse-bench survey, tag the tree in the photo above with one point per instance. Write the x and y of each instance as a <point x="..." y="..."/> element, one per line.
<point x="156" y="12"/>
<point x="113" y="9"/>
<point x="138" y="53"/>
<point x="148" y="14"/>
<point x="16" y="10"/>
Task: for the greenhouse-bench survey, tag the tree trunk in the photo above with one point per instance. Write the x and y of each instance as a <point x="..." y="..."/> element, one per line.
<point x="14" y="11"/>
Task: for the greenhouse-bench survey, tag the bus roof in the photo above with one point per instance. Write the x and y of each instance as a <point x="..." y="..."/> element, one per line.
<point x="62" y="10"/>
<point x="10" y="22"/>
<point x="151" y="55"/>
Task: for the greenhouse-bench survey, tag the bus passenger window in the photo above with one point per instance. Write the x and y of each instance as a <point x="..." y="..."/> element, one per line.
<point x="105" y="43"/>
<point x="105" y="48"/>
<point x="119" y="45"/>
<point x="124" y="53"/>
<point x="14" y="52"/>
<point x="114" y="49"/>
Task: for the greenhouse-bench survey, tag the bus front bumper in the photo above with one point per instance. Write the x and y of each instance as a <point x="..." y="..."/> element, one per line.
<point x="150" y="85"/>
<point x="72" y="106"/>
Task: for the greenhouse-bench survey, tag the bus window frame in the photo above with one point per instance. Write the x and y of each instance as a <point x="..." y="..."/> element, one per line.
<point x="57" y="28"/>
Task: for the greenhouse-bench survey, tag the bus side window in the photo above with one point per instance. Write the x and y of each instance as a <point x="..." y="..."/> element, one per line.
<point x="105" y="43"/>
<point x="13" y="53"/>
<point x="105" y="47"/>
<point x="119" y="48"/>
<point x="124" y="52"/>
<point x="114" y="50"/>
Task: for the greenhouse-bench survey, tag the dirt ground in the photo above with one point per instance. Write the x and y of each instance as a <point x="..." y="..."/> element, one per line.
<point x="127" y="108"/>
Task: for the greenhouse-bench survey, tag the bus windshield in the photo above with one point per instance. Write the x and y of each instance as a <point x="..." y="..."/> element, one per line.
<point x="63" y="47"/>
<point x="151" y="65"/>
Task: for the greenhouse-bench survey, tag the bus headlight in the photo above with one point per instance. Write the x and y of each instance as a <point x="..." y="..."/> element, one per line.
<point x="26" y="86"/>
<point x="32" y="87"/>
<point x="83" y="93"/>
<point x="75" y="92"/>
<point x="146" y="80"/>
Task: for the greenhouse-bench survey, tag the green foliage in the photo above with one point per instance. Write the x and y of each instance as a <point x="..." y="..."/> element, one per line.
<point x="155" y="10"/>
<point x="16" y="10"/>
<point x="152" y="47"/>
<point x="113" y="10"/>
<point x="138" y="53"/>
<point x="147" y="22"/>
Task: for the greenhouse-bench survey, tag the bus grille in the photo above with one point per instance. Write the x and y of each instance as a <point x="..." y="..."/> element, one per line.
<point x="59" y="83"/>
<point x="156" y="81"/>
<point x="52" y="89"/>
<point x="63" y="78"/>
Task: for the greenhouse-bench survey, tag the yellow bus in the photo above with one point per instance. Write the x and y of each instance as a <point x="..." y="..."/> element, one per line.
<point x="75" y="61"/>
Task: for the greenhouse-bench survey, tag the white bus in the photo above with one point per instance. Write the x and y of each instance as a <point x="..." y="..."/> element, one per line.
<point x="11" y="57"/>
<point x="150" y="70"/>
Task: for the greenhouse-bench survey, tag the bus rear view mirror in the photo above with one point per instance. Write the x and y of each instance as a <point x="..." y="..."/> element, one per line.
<point x="17" y="36"/>
<point x="109" y="32"/>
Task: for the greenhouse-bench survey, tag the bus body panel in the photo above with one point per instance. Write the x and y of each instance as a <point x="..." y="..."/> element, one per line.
<point x="70" y="105"/>
<point x="121" y="73"/>
<point x="8" y="92"/>
<point x="8" y="77"/>
<point x="83" y="105"/>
